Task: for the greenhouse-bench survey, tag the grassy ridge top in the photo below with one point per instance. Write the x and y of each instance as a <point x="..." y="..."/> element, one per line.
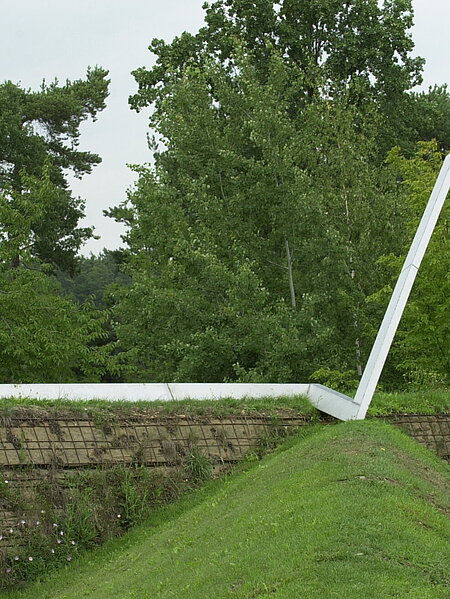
<point x="354" y="510"/>
<point x="420" y="402"/>
<point x="220" y="407"/>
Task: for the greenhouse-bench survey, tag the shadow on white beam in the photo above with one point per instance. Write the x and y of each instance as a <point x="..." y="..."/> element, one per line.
<point x="331" y="402"/>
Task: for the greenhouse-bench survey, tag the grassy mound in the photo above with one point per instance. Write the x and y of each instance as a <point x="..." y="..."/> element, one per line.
<point x="354" y="510"/>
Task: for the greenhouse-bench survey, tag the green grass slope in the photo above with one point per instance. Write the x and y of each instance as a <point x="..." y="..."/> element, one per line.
<point x="357" y="510"/>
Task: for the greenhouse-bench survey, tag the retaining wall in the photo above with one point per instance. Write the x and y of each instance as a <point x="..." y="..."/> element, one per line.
<point x="38" y="446"/>
<point x="433" y="431"/>
<point x="147" y="440"/>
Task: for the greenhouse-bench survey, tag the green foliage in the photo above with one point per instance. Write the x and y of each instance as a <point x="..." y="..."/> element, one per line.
<point x="243" y="177"/>
<point x="421" y="352"/>
<point x="36" y="125"/>
<point x="58" y="521"/>
<point x="428" y="118"/>
<point x="359" y="48"/>
<point x="95" y="279"/>
<point x="255" y="238"/>
<point x="198" y="467"/>
<point x="335" y="379"/>
<point x="44" y="337"/>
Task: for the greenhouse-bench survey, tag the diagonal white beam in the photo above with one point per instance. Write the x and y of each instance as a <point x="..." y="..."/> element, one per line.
<point x="386" y="333"/>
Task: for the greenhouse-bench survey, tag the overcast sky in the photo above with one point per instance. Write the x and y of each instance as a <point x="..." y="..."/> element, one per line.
<point x="60" y="38"/>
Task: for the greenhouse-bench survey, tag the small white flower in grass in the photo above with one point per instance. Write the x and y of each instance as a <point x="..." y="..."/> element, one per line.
<point x="69" y="559"/>
<point x="61" y="533"/>
<point x="72" y="543"/>
<point x="11" y="530"/>
<point x="53" y="551"/>
<point x="6" y="482"/>
<point x="23" y="521"/>
<point x="38" y="522"/>
<point x="42" y="511"/>
<point x="16" y="559"/>
<point x="30" y="559"/>
<point x="54" y="525"/>
<point x="59" y="541"/>
<point x="1" y="537"/>
<point x="119" y="515"/>
<point x="8" y="570"/>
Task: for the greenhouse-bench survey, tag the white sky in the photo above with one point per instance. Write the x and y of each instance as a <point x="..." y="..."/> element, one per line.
<point x="60" y="38"/>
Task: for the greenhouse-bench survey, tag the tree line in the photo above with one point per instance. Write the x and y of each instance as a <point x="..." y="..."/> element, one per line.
<point x="292" y="160"/>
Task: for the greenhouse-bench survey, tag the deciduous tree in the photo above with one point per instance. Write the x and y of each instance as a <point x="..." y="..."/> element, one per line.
<point x="44" y="337"/>
<point x="245" y="189"/>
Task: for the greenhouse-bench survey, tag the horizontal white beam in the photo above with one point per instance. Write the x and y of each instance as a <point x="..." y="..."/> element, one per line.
<point x="87" y="391"/>
<point x="324" y="399"/>
<point x="150" y="391"/>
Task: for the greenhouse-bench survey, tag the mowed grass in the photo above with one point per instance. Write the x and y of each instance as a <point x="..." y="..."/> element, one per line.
<point x="299" y="404"/>
<point x="412" y="402"/>
<point x="356" y="510"/>
<point x="418" y="402"/>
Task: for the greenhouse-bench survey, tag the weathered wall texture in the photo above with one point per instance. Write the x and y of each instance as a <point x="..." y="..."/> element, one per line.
<point x="147" y="440"/>
<point x="36" y="446"/>
<point x="433" y="431"/>
<point x="64" y="441"/>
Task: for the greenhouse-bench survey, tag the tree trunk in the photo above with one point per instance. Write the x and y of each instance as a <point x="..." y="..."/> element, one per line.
<point x="352" y="276"/>
<point x="291" y="280"/>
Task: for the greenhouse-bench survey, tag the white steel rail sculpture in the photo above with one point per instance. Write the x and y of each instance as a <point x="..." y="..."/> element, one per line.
<point x="325" y="399"/>
<point x="342" y="406"/>
<point x="388" y="328"/>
